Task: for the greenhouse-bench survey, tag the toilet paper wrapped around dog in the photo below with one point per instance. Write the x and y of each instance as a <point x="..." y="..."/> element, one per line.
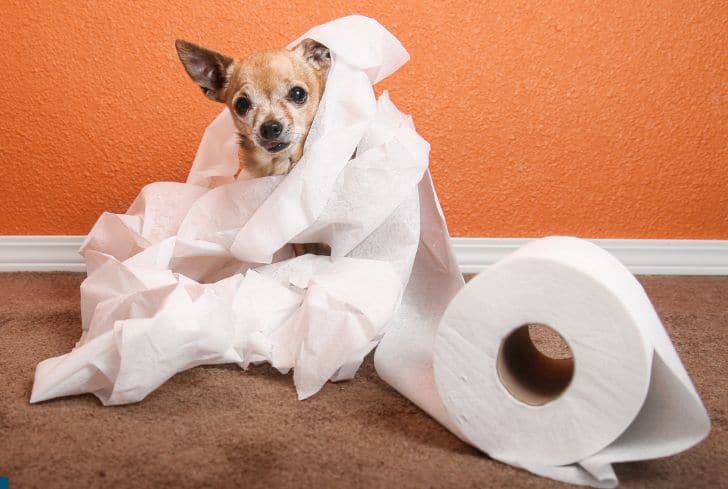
<point x="624" y="396"/>
<point x="204" y="273"/>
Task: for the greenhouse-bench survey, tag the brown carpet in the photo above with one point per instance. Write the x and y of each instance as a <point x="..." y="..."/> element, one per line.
<point x="222" y="427"/>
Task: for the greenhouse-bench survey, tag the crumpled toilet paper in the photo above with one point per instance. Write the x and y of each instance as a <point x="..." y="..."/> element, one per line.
<point x="628" y="396"/>
<point x="203" y="272"/>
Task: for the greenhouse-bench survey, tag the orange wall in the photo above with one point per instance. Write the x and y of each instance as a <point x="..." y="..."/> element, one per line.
<point x="600" y="119"/>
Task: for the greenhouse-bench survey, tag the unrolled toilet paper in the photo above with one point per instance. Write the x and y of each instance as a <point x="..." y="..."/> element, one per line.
<point x="624" y="396"/>
<point x="204" y="272"/>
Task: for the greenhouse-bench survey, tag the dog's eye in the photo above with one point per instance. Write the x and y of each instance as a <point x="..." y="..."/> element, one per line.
<point x="242" y="105"/>
<point x="298" y="95"/>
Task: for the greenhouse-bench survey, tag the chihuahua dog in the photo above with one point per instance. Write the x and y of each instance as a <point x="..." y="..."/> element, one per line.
<point x="273" y="96"/>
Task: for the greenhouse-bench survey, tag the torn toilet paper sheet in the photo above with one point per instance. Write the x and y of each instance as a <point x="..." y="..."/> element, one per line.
<point x="628" y="397"/>
<point x="204" y="273"/>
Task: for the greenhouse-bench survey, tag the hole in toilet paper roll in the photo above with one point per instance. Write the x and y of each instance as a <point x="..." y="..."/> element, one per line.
<point x="536" y="368"/>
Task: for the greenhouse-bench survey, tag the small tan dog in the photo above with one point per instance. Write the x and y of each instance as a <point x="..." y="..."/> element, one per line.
<point x="273" y="96"/>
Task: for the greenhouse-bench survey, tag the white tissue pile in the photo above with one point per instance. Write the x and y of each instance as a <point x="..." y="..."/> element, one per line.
<point x="203" y="272"/>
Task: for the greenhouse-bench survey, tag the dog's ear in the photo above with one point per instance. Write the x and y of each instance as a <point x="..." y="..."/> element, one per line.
<point x="207" y="68"/>
<point x="315" y="53"/>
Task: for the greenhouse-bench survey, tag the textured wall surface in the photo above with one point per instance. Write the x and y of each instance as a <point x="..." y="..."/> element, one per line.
<point x="604" y="119"/>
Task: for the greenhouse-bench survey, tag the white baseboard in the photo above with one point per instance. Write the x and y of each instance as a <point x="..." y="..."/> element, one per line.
<point x="641" y="256"/>
<point x="41" y="254"/>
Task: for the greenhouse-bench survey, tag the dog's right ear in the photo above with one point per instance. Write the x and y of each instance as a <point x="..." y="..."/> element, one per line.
<point x="207" y="68"/>
<point x="314" y="53"/>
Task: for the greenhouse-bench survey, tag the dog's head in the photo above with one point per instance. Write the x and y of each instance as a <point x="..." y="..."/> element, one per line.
<point x="273" y="96"/>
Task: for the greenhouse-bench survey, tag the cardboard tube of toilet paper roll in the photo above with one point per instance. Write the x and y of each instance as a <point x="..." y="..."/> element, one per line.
<point x="523" y="408"/>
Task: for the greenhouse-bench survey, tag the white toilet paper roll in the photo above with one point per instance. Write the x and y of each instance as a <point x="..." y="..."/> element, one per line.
<point x="523" y="408"/>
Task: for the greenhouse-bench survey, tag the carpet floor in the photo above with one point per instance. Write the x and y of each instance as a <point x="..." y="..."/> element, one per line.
<point x="222" y="427"/>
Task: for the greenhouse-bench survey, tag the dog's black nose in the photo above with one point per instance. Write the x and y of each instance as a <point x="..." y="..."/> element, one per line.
<point x="271" y="129"/>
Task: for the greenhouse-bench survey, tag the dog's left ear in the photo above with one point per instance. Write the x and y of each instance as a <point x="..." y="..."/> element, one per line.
<point x="209" y="69"/>
<point x="315" y="53"/>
